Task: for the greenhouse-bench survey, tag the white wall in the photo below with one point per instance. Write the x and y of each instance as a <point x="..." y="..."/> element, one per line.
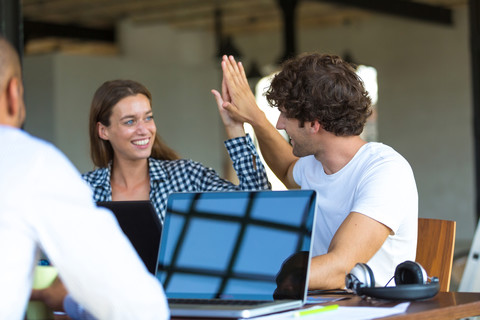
<point x="184" y="109"/>
<point x="39" y="98"/>
<point x="424" y="95"/>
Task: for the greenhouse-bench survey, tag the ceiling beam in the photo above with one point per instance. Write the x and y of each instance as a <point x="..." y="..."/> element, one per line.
<point x="36" y="29"/>
<point x="289" y="28"/>
<point x="403" y="8"/>
<point x="11" y="23"/>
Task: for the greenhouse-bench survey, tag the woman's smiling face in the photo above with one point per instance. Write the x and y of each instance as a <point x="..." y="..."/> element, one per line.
<point x="132" y="129"/>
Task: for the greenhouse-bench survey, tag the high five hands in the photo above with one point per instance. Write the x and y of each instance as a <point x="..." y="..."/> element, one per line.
<point x="237" y="101"/>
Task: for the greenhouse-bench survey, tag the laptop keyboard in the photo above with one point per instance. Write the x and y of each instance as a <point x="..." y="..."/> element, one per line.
<point x="218" y="302"/>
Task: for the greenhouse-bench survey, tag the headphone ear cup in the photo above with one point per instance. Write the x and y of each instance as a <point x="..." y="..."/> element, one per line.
<point x="361" y="276"/>
<point x="371" y="279"/>
<point x="410" y="272"/>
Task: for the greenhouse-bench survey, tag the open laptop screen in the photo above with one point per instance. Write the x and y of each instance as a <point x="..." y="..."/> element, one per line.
<point x="233" y="245"/>
<point x="141" y="225"/>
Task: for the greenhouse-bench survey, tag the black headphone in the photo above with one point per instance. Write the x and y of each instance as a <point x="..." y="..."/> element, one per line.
<point x="411" y="282"/>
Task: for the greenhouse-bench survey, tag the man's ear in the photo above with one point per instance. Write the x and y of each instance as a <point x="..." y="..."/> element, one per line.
<point x="102" y="131"/>
<point x="314" y="126"/>
<point x="14" y="103"/>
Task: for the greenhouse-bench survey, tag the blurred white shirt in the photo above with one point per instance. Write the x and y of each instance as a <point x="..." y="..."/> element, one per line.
<point x="45" y="204"/>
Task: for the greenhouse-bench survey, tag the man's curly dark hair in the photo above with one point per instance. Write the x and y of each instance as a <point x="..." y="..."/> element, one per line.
<point x="321" y="87"/>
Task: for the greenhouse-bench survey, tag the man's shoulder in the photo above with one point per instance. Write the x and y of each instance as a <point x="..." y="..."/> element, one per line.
<point x="33" y="158"/>
<point x="23" y="139"/>
<point x="21" y="144"/>
<point x="378" y="151"/>
<point x="384" y="161"/>
<point x="307" y="161"/>
<point x="379" y="148"/>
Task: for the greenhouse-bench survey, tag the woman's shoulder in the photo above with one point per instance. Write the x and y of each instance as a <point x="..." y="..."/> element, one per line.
<point x="95" y="175"/>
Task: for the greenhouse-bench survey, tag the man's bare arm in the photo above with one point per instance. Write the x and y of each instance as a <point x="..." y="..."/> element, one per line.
<point x="357" y="240"/>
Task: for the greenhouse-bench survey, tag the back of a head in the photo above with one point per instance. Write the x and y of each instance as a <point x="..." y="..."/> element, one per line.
<point x="9" y="62"/>
<point x="321" y="87"/>
<point x="12" y="107"/>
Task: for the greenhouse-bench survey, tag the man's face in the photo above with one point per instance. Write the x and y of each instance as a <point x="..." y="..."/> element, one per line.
<point x="300" y="138"/>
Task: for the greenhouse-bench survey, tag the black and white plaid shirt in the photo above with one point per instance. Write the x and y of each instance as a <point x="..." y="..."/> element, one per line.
<point x="187" y="175"/>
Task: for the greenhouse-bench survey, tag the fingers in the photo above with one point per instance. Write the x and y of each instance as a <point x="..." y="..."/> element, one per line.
<point x="241" y="105"/>
<point x="218" y="97"/>
<point x="227" y="72"/>
<point x="233" y="63"/>
<point x="234" y="72"/>
<point x="225" y="93"/>
<point x="239" y="69"/>
<point x="231" y="109"/>
<point x="242" y="70"/>
<point x="236" y="82"/>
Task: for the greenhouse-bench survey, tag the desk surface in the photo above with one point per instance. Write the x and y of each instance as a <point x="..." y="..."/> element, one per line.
<point x="445" y="305"/>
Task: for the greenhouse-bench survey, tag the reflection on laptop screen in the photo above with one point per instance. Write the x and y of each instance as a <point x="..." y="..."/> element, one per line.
<point x="233" y="245"/>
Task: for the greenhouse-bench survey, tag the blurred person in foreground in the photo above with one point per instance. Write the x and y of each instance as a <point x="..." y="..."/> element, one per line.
<point x="45" y="205"/>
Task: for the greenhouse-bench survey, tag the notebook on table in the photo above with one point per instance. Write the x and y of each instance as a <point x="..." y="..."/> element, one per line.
<point x="236" y="254"/>
<point x="141" y="224"/>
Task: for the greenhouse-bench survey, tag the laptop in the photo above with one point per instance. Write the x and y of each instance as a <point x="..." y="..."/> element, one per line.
<point x="141" y="224"/>
<point x="236" y="254"/>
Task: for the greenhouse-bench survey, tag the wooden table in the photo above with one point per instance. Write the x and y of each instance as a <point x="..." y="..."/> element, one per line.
<point x="445" y="305"/>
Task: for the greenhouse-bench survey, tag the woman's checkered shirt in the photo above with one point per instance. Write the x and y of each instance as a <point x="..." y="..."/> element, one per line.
<point x="167" y="176"/>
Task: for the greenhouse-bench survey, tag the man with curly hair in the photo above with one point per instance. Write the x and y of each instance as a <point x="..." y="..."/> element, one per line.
<point x="366" y="193"/>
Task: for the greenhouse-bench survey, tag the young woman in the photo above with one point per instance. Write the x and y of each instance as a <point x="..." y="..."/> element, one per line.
<point x="134" y="164"/>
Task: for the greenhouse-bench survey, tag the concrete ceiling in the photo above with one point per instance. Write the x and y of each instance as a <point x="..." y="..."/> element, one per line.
<point x="49" y="23"/>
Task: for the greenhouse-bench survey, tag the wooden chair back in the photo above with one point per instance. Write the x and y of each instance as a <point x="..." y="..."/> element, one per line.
<point x="435" y="244"/>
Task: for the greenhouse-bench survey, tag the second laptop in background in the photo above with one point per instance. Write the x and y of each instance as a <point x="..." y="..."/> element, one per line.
<point x="140" y="223"/>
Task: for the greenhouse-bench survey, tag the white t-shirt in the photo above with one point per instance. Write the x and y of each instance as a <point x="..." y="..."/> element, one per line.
<point x="379" y="183"/>
<point x="45" y="204"/>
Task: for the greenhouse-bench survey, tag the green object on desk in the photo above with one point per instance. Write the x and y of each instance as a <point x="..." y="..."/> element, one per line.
<point x="316" y="310"/>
